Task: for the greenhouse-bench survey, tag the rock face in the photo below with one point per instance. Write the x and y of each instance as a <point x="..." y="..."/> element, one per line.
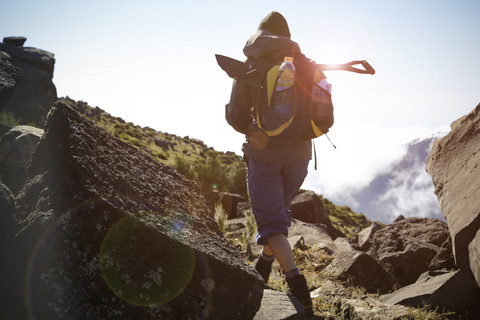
<point x="106" y="232"/>
<point x="35" y="92"/>
<point x="16" y="149"/>
<point x="453" y="164"/>
<point x="407" y="247"/>
<point x="9" y="77"/>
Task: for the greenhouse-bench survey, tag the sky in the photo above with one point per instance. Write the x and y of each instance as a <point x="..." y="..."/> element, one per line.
<point x="153" y="63"/>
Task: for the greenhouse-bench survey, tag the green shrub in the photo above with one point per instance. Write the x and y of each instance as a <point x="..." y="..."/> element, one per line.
<point x="182" y="166"/>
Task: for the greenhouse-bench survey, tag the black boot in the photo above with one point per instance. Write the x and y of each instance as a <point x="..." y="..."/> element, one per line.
<point x="298" y="288"/>
<point x="263" y="267"/>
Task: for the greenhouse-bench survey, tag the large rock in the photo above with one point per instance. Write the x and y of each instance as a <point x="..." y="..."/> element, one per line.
<point x="313" y="234"/>
<point x="114" y="234"/>
<point x="35" y="92"/>
<point x="360" y="269"/>
<point x="454" y="166"/>
<point x="365" y="237"/>
<point x="307" y="207"/>
<point x="279" y="306"/>
<point x="16" y="149"/>
<point x="407" y="247"/>
<point x="452" y="292"/>
<point x="229" y="203"/>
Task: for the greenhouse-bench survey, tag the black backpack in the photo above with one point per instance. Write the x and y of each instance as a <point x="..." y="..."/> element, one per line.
<point x="311" y="112"/>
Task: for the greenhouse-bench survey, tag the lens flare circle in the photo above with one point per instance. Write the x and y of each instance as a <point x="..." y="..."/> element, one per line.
<point x="143" y="266"/>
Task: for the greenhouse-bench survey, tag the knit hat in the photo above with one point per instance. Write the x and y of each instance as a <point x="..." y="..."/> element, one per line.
<point x="275" y="23"/>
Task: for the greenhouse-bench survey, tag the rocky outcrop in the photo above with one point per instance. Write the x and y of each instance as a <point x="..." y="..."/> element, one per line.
<point x="453" y="164"/>
<point x="35" y="92"/>
<point x="106" y="232"/>
<point x="16" y="149"/>
<point x="407" y="247"/>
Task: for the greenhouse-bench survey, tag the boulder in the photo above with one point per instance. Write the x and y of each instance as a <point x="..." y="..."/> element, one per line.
<point x="164" y="144"/>
<point x="229" y="203"/>
<point x="35" y="93"/>
<point x="307" y="207"/>
<point x="279" y="306"/>
<point x="313" y="234"/>
<point x="114" y="234"/>
<point x="406" y="248"/>
<point x="365" y="237"/>
<point x="454" y="166"/>
<point x="452" y="292"/>
<point x="474" y="249"/>
<point x="360" y="269"/>
<point x="16" y="149"/>
<point x="342" y="246"/>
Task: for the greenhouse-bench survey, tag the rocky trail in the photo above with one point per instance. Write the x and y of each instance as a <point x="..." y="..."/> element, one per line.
<point x="94" y="228"/>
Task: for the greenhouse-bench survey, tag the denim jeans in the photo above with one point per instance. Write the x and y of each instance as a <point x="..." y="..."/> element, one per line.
<point x="272" y="187"/>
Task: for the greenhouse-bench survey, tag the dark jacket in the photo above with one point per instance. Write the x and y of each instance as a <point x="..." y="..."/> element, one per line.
<point x="264" y="45"/>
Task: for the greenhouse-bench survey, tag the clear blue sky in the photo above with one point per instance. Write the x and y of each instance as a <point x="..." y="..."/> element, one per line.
<point x="152" y="63"/>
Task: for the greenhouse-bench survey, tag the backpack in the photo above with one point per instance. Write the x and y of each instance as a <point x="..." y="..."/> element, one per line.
<point x="310" y="112"/>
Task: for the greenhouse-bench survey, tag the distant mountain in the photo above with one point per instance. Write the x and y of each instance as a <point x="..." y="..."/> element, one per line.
<point x="405" y="188"/>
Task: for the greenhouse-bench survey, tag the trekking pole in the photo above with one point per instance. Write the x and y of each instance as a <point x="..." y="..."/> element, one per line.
<point x="349" y="66"/>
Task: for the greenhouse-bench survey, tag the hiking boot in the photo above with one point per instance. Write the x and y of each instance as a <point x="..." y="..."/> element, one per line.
<point x="298" y="288"/>
<point x="263" y="267"/>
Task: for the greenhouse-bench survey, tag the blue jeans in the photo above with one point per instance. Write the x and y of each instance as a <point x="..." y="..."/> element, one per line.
<point x="272" y="187"/>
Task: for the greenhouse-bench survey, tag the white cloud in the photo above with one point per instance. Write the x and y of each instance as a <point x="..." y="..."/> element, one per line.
<point x="363" y="151"/>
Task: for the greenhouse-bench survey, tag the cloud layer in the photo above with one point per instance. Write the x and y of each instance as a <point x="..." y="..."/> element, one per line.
<point x="380" y="175"/>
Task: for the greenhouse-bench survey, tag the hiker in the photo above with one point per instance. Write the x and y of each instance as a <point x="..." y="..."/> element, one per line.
<point x="276" y="168"/>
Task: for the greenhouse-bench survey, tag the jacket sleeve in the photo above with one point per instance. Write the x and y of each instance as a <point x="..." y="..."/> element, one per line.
<point x="238" y="110"/>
